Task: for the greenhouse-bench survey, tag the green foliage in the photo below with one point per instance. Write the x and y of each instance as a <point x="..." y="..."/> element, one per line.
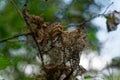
<point x="17" y="59"/>
<point x="4" y="62"/>
<point x="11" y="23"/>
<point x="112" y="77"/>
<point x="88" y="77"/>
<point x="106" y="16"/>
<point x="41" y="7"/>
<point x="25" y="78"/>
<point x="93" y="41"/>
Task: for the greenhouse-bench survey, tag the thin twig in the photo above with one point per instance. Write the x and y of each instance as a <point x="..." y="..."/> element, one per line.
<point x="96" y="15"/>
<point x="85" y="22"/>
<point x="33" y="35"/>
<point x="15" y="6"/>
<point x="12" y="41"/>
<point x="69" y="75"/>
<point x="23" y="34"/>
<point x="108" y="7"/>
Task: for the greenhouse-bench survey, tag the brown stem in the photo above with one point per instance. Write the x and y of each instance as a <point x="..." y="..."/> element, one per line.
<point x="69" y="75"/>
<point x="24" y="11"/>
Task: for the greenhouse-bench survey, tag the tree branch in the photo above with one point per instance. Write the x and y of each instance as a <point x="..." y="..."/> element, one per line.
<point x="85" y="22"/>
<point x="15" y="6"/>
<point x="24" y="34"/>
<point x="33" y="35"/>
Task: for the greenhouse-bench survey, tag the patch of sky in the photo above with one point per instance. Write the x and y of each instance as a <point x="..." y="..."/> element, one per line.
<point x="22" y="38"/>
<point x="67" y="1"/>
<point x="2" y="4"/>
<point x="110" y="40"/>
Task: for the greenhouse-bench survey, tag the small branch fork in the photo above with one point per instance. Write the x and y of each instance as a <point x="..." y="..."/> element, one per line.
<point x="26" y="34"/>
<point x="33" y="35"/>
<point x="85" y="22"/>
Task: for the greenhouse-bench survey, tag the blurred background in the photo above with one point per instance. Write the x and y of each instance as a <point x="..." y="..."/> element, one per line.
<point x="18" y="59"/>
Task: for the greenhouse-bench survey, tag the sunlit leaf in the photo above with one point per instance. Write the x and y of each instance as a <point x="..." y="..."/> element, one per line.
<point x="88" y="77"/>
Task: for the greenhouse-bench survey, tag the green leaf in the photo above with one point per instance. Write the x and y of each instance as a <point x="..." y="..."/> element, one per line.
<point x="88" y="77"/>
<point x="93" y="41"/>
<point x="4" y="62"/>
<point x="17" y="59"/>
<point x="106" y="16"/>
<point x="25" y="78"/>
